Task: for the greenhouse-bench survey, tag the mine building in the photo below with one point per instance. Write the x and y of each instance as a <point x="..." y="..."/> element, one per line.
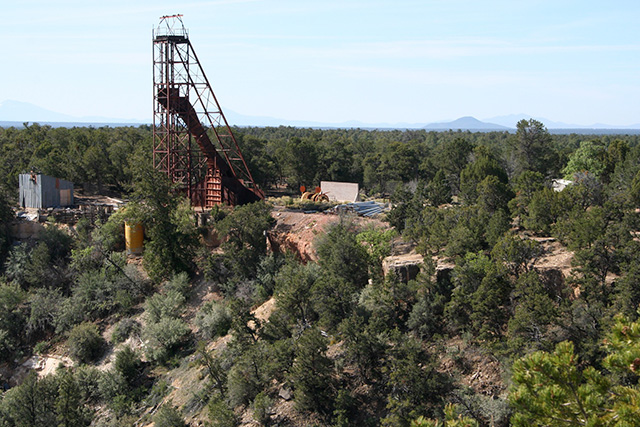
<point x="42" y="191"/>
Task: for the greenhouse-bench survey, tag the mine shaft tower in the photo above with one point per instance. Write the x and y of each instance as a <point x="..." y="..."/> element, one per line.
<point x="192" y="141"/>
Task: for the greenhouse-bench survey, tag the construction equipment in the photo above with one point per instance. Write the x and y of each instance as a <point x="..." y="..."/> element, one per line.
<point x="316" y="196"/>
<point x="193" y="143"/>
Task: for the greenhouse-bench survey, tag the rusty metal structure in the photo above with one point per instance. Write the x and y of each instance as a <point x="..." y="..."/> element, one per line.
<point x="192" y="141"/>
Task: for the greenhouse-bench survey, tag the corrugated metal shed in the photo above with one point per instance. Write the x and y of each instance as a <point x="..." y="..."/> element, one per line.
<point x="42" y="191"/>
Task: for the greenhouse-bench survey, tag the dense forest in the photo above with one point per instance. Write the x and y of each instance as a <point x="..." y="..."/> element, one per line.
<point x="347" y="344"/>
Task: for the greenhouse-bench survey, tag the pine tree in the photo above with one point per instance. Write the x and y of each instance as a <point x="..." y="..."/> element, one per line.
<point x="311" y="373"/>
<point x="69" y="408"/>
<point x="553" y="389"/>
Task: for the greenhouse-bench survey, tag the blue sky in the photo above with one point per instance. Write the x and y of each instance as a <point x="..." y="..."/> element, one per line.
<point x="337" y="60"/>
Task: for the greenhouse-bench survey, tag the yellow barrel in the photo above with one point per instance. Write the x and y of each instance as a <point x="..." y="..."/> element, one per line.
<point x="133" y="236"/>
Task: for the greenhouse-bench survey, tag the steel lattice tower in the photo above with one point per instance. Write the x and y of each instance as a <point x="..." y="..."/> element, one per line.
<point x="192" y="141"/>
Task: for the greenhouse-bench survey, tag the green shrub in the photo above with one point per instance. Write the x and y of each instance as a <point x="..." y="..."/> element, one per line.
<point x="217" y="214"/>
<point x="114" y="391"/>
<point x="71" y="312"/>
<point x="12" y="319"/>
<point x="262" y="408"/>
<point x="86" y="258"/>
<point x="69" y="407"/>
<point x="159" y="390"/>
<point x="220" y="414"/>
<point x="88" y="379"/>
<point x="85" y="343"/>
<point x="40" y="270"/>
<point x="15" y="266"/>
<point x="266" y="277"/>
<point x="114" y="287"/>
<point x="124" y="329"/>
<point x="6" y="216"/>
<point x="179" y="283"/>
<point x="243" y="383"/>
<point x="44" y="304"/>
<point x="245" y="230"/>
<point x="213" y="320"/>
<point x="168" y="416"/>
<point x="169" y="227"/>
<point x="58" y="242"/>
<point x="167" y="305"/>
<point x="128" y="364"/>
<point x="164" y="337"/>
<point x="340" y="254"/>
<point x="110" y="235"/>
<point x="544" y="209"/>
<point x="41" y="347"/>
<point x="344" y="406"/>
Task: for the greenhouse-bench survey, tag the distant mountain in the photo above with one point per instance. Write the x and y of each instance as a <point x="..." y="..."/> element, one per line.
<point x="20" y="112"/>
<point x="238" y="119"/>
<point x="466" y="123"/>
<point x="15" y="113"/>
<point x="512" y="120"/>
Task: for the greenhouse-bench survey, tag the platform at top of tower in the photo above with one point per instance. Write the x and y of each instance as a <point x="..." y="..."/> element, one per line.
<point x="170" y="38"/>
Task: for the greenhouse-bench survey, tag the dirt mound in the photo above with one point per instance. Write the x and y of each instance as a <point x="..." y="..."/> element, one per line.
<point x="295" y="231"/>
<point x="555" y="257"/>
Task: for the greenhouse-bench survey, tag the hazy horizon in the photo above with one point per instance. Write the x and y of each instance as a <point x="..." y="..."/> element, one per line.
<point x="337" y="61"/>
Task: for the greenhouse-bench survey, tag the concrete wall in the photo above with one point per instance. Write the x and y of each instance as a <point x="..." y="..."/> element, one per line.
<point x="340" y="191"/>
<point x="24" y="230"/>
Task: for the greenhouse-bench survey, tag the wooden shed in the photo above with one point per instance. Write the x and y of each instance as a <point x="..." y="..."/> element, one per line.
<point x="42" y="191"/>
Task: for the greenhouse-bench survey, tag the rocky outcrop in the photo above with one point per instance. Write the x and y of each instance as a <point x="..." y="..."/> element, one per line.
<point x="406" y="267"/>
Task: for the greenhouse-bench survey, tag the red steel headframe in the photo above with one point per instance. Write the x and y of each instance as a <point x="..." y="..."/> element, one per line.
<point x="193" y="142"/>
